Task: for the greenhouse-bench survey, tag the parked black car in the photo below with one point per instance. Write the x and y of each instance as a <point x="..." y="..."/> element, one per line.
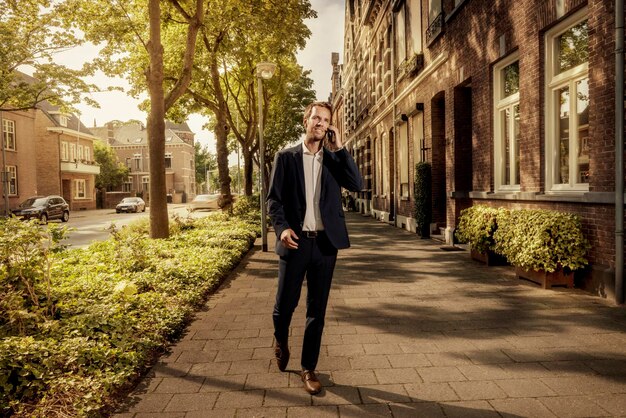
<point x="131" y="204"/>
<point x="43" y="208"/>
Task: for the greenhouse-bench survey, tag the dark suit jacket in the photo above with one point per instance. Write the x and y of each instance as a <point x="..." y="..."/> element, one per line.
<point x="286" y="195"/>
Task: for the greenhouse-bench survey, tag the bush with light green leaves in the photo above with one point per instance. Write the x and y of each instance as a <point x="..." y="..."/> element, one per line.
<point x="477" y="225"/>
<point x="80" y="325"/>
<point x="537" y="239"/>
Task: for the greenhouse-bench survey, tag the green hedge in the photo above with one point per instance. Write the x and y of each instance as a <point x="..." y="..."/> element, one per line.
<point x="77" y="326"/>
<point x="423" y="208"/>
<point x="533" y="239"/>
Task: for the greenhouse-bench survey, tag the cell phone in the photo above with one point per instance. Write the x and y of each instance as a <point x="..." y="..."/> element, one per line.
<point x="330" y="135"/>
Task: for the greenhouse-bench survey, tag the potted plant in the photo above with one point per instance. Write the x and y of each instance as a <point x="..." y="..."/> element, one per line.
<point x="544" y="246"/>
<point x="477" y="225"/>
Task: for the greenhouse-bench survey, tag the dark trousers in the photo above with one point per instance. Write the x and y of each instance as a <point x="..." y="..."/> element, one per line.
<point x="315" y="258"/>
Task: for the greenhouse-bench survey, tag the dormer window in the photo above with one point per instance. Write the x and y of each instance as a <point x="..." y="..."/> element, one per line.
<point x="63" y="120"/>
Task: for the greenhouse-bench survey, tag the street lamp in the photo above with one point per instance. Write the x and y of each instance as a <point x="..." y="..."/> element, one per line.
<point x="264" y="70"/>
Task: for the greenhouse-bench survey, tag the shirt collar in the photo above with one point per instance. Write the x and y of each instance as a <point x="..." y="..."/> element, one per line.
<point x="305" y="150"/>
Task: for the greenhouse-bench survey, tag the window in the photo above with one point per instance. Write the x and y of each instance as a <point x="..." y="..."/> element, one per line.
<point x="404" y="159"/>
<point x="506" y="124"/>
<point x="72" y="152"/>
<point x="137" y="158"/>
<point x="81" y="152"/>
<point x="62" y="120"/>
<point x="417" y="126"/>
<point x="168" y="160"/>
<point x="9" y="134"/>
<point x="65" y="153"/>
<point x="79" y="189"/>
<point x="385" y="155"/>
<point x="128" y="184"/>
<point x="12" y="179"/>
<point x="408" y="27"/>
<point x="379" y="169"/>
<point x="87" y="154"/>
<point x="145" y="184"/>
<point x="567" y="105"/>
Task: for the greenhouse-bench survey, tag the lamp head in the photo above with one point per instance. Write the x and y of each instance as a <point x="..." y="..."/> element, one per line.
<point x="265" y="70"/>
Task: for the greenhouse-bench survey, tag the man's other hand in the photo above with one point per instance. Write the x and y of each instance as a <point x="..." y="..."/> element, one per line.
<point x="287" y="238"/>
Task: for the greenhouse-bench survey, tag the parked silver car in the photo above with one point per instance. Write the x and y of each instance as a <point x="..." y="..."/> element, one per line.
<point x="131" y="204"/>
<point x="43" y="208"/>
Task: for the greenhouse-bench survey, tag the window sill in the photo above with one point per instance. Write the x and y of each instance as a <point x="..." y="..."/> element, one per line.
<point x="603" y="198"/>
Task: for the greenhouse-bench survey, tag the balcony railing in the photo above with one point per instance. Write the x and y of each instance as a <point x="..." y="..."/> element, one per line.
<point x="83" y="167"/>
<point x="435" y="28"/>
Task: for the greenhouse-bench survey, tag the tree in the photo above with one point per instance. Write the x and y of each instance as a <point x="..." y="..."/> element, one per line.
<point x="132" y="48"/>
<point x="239" y="35"/>
<point x="31" y="33"/>
<point x="112" y="172"/>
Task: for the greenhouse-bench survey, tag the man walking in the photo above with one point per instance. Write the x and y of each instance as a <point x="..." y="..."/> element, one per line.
<point x="304" y="201"/>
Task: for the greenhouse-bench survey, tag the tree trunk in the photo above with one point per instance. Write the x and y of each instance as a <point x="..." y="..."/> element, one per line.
<point x="159" y="227"/>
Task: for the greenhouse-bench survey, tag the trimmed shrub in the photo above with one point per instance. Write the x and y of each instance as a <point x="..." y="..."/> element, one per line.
<point x="477" y="225"/>
<point x="536" y="239"/>
<point x="423" y="208"/>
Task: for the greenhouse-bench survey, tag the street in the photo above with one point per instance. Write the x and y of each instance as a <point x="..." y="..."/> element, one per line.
<point x="89" y="226"/>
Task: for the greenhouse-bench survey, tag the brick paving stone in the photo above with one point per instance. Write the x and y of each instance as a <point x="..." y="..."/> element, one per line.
<point x="525" y="388"/>
<point x="369" y="410"/>
<point x="448" y="359"/>
<point x="266" y="412"/>
<point x="209" y="369"/>
<point x="215" y="413"/>
<point x="488" y="357"/>
<point x="313" y="412"/>
<point x="405" y="375"/>
<point x="408" y="360"/>
<point x="615" y="404"/>
<point x="267" y="380"/>
<point x="240" y="399"/>
<point x="188" y="384"/>
<point x="337" y="395"/>
<point x="369" y="362"/>
<point x="286" y="397"/>
<point x="191" y="402"/>
<point x="249" y="366"/>
<point x="574" y="406"/>
<point x="226" y="383"/>
<point x="440" y="374"/>
<point x="149" y="402"/>
<point x="422" y="392"/>
<point x="469" y="409"/>
<point x="419" y="409"/>
<point x="522" y="407"/>
<point x="382" y="349"/>
<point x="345" y="350"/>
<point x="383" y="394"/>
<point x="470" y="391"/>
<point x="160" y="415"/>
<point x="234" y="355"/>
<point x="354" y="377"/>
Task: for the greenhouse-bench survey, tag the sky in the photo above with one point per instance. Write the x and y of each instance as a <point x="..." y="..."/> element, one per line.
<point x="326" y="38"/>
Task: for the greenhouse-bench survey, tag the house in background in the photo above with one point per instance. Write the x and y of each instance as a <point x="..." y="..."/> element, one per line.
<point x="48" y="152"/>
<point x="511" y="103"/>
<point x="130" y="143"/>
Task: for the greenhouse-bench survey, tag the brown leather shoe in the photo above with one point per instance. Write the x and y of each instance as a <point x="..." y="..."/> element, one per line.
<point x="311" y="382"/>
<point x="281" y="351"/>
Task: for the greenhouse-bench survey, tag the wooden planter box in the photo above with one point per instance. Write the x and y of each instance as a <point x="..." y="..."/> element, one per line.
<point x="546" y="279"/>
<point x="489" y="258"/>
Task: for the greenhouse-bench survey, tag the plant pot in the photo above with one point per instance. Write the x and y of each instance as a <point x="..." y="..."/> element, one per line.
<point x="546" y="279"/>
<point x="489" y="258"/>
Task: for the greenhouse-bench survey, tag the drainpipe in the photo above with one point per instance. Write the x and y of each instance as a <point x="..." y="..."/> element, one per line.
<point x="619" y="152"/>
<point x="393" y="93"/>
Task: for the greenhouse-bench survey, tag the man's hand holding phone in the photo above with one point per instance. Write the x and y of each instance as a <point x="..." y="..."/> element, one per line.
<point x="333" y="139"/>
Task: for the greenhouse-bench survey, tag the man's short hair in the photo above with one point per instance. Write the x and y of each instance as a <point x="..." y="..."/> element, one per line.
<point x="309" y="109"/>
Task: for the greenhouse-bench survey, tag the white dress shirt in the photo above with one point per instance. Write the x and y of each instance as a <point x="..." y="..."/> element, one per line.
<point x="312" y="184"/>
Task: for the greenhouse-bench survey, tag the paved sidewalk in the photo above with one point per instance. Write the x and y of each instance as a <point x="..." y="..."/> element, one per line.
<point x="412" y="331"/>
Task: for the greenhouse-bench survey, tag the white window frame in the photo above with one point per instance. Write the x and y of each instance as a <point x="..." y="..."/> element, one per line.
<point x="403" y="156"/>
<point x="87" y="153"/>
<point x="65" y="153"/>
<point x="168" y="156"/>
<point x="137" y="159"/>
<point x="417" y="127"/>
<point x="12" y="180"/>
<point x="9" y="134"/>
<point x="78" y="185"/>
<point x="385" y="173"/>
<point x="72" y="152"/>
<point x="379" y="166"/>
<point x="400" y="39"/>
<point x="128" y="184"/>
<point x="414" y="17"/>
<point x="63" y="120"/>
<point x="81" y="152"/>
<point x="554" y="82"/>
<point x="145" y="184"/>
<point x="501" y="104"/>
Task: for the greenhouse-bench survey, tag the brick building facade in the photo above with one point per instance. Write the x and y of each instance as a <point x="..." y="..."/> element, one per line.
<point x="130" y="143"/>
<point x="512" y="103"/>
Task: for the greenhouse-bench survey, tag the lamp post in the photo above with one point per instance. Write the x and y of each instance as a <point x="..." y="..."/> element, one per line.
<point x="264" y="70"/>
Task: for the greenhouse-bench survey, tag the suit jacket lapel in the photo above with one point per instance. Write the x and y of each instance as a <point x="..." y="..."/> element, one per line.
<point x="297" y="155"/>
